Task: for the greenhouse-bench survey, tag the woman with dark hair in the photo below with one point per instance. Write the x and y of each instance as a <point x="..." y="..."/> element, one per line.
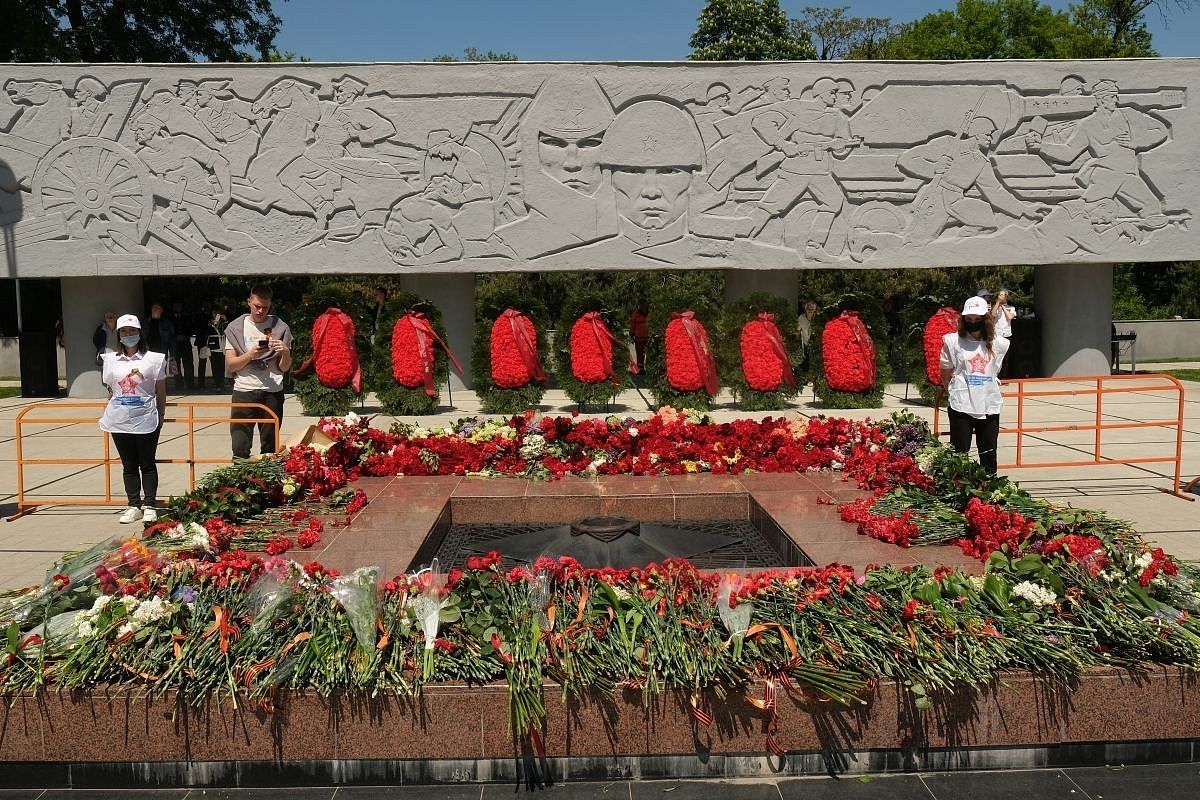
<point x="970" y="363"/>
<point x="136" y="378"/>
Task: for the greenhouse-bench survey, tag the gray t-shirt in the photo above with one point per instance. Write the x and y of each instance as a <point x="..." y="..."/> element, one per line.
<point x="263" y="372"/>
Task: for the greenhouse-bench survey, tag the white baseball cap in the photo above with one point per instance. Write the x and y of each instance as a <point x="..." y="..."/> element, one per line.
<point x="975" y="305"/>
<point x="129" y="321"/>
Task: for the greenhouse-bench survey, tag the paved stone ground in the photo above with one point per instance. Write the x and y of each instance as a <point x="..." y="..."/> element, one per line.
<point x="29" y="545"/>
<point x="1152" y="782"/>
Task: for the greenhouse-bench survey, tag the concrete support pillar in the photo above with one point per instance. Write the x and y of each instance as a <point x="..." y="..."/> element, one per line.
<point x="1074" y="305"/>
<point x="84" y="301"/>
<point x="454" y="295"/>
<point x="741" y="283"/>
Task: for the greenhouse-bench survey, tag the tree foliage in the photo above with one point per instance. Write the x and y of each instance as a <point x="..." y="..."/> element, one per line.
<point x="746" y="30"/>
<point x="114" y="30"/>
<point x="471" y="54"/>
<point x="834" y="34"/>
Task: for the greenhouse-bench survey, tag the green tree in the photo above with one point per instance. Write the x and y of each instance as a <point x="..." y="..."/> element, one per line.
<point x="1111" y="29"/>
<point x="833" y="34"/>
<point x="471" y="54"/>
<point x="746" y="30"/>
<point x="985" y="29"/>
<point x="116" y="30"/>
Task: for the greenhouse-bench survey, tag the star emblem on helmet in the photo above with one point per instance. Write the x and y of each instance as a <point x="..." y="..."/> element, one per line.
<point x="649" y="144"/>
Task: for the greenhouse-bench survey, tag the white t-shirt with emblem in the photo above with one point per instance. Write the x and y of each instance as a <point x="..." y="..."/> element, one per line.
<point x="974" y="387"/>
<point x="133" y="407"/>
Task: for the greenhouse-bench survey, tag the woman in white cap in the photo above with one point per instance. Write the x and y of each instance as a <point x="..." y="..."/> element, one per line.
<point x="136" y="378"/>
<point x="970" y="364"/>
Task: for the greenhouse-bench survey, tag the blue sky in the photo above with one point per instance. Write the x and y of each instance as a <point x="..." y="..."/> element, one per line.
<point x="568" y="30"/>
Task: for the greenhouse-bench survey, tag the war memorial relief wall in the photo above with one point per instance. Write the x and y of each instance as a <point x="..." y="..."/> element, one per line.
<point x="296" y="168"/>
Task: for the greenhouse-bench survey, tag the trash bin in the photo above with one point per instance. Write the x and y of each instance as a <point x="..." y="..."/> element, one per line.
<point x="39" y="364"/>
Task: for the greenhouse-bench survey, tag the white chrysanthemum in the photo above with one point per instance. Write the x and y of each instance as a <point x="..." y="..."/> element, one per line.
<point x="130" y="602"/>
<point x="101" y="603"/>
<point x="976" y="581"/>
<point x="1143" y="561"/>
<point x="925" y="459"/>
<point x="85" y="630"/>
<point x="1035" y="593"/>
<point x="533" y="446"/>
<point x="633" y="432"/>
<point x="127" y="627"/>
<point x="351" y="418"/>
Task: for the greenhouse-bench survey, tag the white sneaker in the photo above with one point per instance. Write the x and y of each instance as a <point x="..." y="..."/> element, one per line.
<point x="149" y="515"/>
<point x="132" y="514"/>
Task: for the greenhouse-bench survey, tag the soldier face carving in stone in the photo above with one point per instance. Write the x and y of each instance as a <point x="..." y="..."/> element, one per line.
<point x="652" y="150"/>
<point x="570" y="119"/>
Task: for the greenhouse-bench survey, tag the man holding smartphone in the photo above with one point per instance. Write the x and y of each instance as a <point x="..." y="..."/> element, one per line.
<point x="258" y="352"/>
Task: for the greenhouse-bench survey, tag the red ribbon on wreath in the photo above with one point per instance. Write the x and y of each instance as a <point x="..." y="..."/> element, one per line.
<point x="690" y="365"/>
<point x="414" y="333"/>
<point x="849" y="354"/>
<point x="765" y="362"/>
<point x="511" y="331"/>
<point x="334" y="357"/>
<point x="591" y="349"/>
<point x="943" y="321"/>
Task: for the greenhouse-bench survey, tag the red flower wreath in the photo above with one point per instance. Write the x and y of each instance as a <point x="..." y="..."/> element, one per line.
<point x="514" y="351"/>
<point x="690" y="363"/>
<point x="764" y="359"/>
<point x="413" y="355"/>
<point x="943" y="321"/>
<point x="591" y="349"/>
<point x="334" y="354"/>
<point x="849" y="354"/>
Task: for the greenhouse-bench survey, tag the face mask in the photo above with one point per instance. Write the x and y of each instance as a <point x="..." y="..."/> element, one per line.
<point x="130" y="341"/>
<point x="973" y="327"/>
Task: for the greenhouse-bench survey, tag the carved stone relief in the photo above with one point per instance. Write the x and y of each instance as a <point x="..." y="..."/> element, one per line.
<point x="436" y="168"/>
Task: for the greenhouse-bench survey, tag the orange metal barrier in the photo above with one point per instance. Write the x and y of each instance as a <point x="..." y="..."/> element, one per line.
<point x="1026" y="388"/>
<point x="27" y="505"/>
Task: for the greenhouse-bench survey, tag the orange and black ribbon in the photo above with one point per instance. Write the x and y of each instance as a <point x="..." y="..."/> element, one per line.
<point x="700" y="348"/>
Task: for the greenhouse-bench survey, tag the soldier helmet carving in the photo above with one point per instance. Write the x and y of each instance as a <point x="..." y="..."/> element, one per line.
<point x="571" y="108"/>
<point x="1105" y="88"/>
<point x="653" y="133"/>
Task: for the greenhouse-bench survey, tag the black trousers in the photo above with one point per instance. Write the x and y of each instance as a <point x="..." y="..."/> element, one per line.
<point x="242" y="433"/>
<point x="985" y="430"/>
<point x="139" y="471"/>
<point x="187" y="371"/>
<point x="217" y="361"/>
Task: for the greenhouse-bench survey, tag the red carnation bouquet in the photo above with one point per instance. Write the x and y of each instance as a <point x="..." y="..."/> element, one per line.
<point x="334" y="354"/>
<point x="592" y="349"/>
<point x="943" y="321"/>
<point x="764" y="358"/>
<point x="413" y="354"/>
<point x="848" y="353"/>
<point x="514" y="357"/>
<point x="690" y="362"/>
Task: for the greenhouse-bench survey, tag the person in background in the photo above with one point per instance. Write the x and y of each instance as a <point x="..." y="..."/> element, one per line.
<point x="105" y="339"/>
<point x="1002" y="316"/>
<point x="258" y="352"/>
<point x="185" y="325"/>
<point x="210" y="349"/>
<point x="377" y="311"/>
<point x="970" y="365"/>
<point x="639" y="331"/>
<point x="136" y="379"/>
<point x="160" y="337"/>
<point x="806" y="330"/>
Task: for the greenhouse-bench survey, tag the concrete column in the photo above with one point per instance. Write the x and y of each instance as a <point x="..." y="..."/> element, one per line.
<point x="1074" y="305"/>
<point x="84" y="302"/>
<point x="454" y="295"/>
<point x="741" y="283"/>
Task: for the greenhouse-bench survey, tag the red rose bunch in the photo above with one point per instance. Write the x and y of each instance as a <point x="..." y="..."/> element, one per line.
<point x="690" y="362"/>
<point x="849" y="354"/>
<point x="591" y="349"/>
<point x="514" y="351"/>
<point x="990" y="528"/>
<point x="1159" y="562"/>
<point x="334" y="353"/>
<point x="1086" y="551"/>
<point x="899" y="530"/>
<point x="765" y="361"/>
<point x="943" y="321"/>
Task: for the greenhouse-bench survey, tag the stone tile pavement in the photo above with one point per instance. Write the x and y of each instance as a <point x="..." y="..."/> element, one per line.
<point x="29" y="545"/>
